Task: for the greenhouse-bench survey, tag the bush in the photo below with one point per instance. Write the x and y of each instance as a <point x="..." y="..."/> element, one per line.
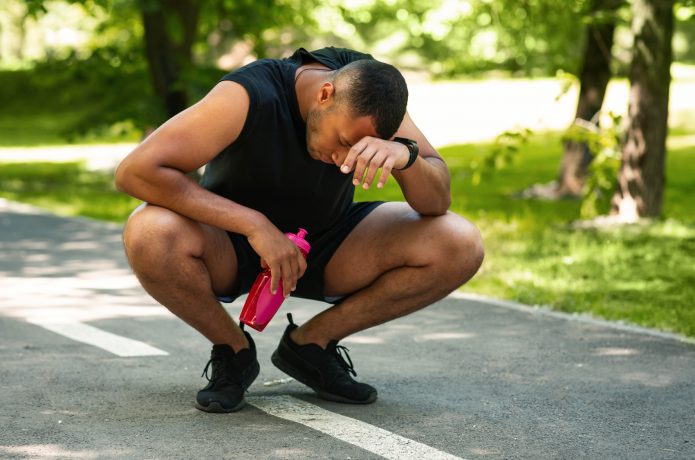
<point x="106" y="97"/>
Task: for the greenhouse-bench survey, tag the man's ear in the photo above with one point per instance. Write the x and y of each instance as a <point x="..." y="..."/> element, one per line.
<point x="326" y="93"/>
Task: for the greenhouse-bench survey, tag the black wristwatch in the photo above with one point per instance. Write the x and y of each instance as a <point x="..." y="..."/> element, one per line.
<point x="412" y="148"/>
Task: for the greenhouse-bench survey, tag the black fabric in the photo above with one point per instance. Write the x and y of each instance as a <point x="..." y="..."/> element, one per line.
<point x="323" y="246"/>
<point x="268" y="167"/>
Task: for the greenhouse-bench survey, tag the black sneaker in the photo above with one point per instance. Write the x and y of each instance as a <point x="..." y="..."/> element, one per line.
<point x="326" y="371"/>
<point x="232" y="374"/>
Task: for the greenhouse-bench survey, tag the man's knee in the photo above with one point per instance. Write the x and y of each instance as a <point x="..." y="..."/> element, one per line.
<point x="153" y="231"/>
<point x="460" y="249"/>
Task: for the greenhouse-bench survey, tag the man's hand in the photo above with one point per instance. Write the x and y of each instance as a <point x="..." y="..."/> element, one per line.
<point x="280" y="254"/>
<point x="370" y="154"/>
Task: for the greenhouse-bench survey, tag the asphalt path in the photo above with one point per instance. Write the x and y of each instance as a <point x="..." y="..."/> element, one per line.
<point x="465" y="378"/>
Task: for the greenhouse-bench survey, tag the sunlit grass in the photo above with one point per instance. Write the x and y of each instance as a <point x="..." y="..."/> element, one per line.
<point x="65" y="188"/>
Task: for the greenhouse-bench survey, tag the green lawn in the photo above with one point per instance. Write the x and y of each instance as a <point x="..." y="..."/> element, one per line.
<point x="640" y="274"/>
<point x="65" y="188"/>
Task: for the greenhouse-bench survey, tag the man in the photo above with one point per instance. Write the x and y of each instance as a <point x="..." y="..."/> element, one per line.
<point x="284" y="143"/>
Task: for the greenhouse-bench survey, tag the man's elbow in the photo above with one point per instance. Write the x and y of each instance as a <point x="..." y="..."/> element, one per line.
<point x="443" y="208"/>
<point x="119" y="177"/>
<point x="436" y="208"/>
<point x="123" y="177"/>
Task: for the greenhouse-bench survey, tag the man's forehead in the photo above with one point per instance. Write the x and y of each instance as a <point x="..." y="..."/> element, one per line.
<point x="355" y="128"/>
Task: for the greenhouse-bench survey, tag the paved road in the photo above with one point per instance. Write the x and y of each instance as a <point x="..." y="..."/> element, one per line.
<point x="462" y="378"/>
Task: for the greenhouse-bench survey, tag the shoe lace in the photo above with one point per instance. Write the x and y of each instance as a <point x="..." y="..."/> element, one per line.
<point x="341" y="354"/>
<point x="221" y="367"/>
<point x="205" y="371"/>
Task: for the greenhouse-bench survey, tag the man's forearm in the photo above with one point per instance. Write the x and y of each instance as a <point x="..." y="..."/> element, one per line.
<point x="426" y="186"/>
<point x="171" y="189"/>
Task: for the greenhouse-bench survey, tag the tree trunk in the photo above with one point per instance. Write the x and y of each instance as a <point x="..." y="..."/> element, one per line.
<point x="593" y="79"/>
<point x="168" y="59"/>
<point x="641" y="177"/>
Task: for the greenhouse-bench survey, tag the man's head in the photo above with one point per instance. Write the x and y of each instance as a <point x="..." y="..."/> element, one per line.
<point x="364" y="98"/>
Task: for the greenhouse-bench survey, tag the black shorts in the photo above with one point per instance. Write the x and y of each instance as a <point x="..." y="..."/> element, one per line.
<point x="323" y="246"/>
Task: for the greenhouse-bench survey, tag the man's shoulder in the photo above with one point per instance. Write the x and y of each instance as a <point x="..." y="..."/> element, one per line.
<point x="260" y="67"/>
<point x="332" y="57"/>
<point x="262" y="79"/>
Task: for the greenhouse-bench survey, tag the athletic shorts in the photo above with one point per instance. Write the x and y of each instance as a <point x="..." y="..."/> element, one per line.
<point x="323" y="246"/>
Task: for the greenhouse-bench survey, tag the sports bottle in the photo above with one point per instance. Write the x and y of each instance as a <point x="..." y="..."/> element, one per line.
<point x="261" y="304"/>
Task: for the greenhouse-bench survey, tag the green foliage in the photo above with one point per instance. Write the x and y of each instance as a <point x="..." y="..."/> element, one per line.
<point x="270" y="25"/>
<point x="448" y="37"/>
<point x="107" y="96"/>
<point x="604" y="142"/>
<point x="505" y="149"/>
<point x="82" y="95"/>
<point x="455" y="38"/>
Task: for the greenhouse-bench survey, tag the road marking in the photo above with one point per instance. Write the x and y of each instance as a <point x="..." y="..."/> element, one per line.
<point x="358" y="433"/>
<point x="119" y="346"/>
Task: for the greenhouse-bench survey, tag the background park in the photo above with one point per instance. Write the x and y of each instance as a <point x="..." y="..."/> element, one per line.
<point x="585" y="206"/>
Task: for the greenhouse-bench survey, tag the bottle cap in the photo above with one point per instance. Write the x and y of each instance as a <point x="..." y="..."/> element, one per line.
<point x="299" y="240"/>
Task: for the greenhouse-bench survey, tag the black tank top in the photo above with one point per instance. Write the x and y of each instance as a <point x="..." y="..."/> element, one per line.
<point x="268" y="167"/>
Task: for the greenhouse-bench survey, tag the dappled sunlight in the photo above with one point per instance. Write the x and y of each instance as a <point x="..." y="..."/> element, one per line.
<point x="80" y="245"/>
<point x="69" y="299"/>
<point x="483" y="452"/>
<point x="73" y="272"/>
<point x="291" y="452"/>
<point x="97" y="157"/>
<point x="615" y="352"/>
<point x="657" y="381"/>
<point x="437" y="336"/>
<point x="55" y="451"/>
<point x="402" y="327"/>
<point x="64" y="412"/>
<point x="363" y="340"/>
<point x="569" y="283"/>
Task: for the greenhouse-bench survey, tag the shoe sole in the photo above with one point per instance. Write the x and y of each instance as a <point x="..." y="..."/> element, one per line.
<point x="295" y="373"/>
<point x="216" y="408"/>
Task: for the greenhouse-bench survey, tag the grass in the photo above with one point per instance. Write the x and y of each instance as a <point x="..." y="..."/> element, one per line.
<point x="67" y="189"/>
<point x="640" y="274"/>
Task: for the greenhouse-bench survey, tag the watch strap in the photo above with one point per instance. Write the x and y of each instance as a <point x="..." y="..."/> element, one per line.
<point x="412" y="148"/>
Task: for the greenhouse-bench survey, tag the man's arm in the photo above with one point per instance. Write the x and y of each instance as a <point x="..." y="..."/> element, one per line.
<point x="155" y="172"/>
<point x="425" y="184"/>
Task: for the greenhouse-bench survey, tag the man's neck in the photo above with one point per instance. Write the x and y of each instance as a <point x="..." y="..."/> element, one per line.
<point x="308" y="81"/>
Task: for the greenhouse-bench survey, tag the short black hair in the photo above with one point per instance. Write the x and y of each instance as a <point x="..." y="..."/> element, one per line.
<point x="376" y="89"/>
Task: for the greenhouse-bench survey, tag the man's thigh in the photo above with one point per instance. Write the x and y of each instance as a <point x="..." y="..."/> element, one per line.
<point x="158" y="239"/>
<point x="391" y="236"/>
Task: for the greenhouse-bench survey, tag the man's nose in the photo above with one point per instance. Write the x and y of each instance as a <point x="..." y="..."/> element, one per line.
<point x="339" y="155"/>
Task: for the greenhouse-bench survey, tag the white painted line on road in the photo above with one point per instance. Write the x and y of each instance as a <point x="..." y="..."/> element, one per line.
<point x="582" y="318"/>
<point x="358" y="433"/>
<point x="119" y="346"/>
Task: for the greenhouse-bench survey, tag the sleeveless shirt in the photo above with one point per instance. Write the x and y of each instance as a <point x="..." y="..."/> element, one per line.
<point x="268" y="167"/>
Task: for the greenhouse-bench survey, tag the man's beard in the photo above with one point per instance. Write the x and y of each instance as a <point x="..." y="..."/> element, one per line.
<point x="312" y="126"/>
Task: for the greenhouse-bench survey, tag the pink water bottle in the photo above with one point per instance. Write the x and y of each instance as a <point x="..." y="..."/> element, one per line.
<point x="261" y="305"/>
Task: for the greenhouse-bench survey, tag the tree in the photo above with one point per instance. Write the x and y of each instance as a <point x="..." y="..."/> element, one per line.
<point x="641" y="177"/>
<point x="169" y="57"/>
<point x="594" y="74"/>
<point x="173" y="30"/>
